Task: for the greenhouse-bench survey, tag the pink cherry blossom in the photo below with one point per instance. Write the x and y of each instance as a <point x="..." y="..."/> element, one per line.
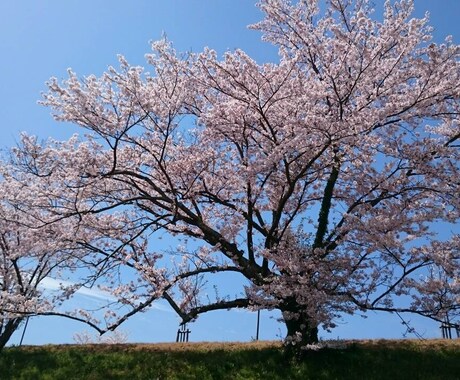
<point x="319" y="179"/>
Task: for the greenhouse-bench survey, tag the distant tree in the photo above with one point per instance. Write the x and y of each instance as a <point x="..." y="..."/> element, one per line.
<point x="327" y="181"/>
<point x="27" y="256"/>
<point x="41" y="267"/>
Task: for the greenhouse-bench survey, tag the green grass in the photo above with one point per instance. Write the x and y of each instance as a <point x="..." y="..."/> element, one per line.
<point x="262" y="360"/>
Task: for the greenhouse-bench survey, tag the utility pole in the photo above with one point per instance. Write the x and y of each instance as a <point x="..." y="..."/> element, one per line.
<point x="24" y="331"/>
<point x="258" y="324"/>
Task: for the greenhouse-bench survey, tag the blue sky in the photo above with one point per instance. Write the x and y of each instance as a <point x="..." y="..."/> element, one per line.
<point x="42" y="38"/>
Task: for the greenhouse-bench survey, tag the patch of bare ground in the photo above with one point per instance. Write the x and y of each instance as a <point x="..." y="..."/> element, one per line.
<point x="417" y="344"/>
<point x="408" y="343"/>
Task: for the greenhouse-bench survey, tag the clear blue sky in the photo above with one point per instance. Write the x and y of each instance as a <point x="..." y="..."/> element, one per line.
<point x="42" y="38"/>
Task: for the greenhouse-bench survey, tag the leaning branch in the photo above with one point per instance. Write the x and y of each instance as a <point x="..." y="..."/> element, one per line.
<point x="194" y="312"/>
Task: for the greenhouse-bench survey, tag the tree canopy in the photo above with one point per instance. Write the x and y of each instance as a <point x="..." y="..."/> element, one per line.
<point x="321" y="179"/>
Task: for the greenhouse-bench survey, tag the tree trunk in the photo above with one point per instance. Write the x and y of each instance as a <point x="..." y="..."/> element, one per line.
<point x="8" y="329"/>
<point x="301" y="330"/>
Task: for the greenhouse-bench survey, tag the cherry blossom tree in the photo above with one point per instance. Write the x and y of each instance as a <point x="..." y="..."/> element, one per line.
<point x="41" y="267"/>
<point x="28" y="256"/>
<point x="327" y="181"/>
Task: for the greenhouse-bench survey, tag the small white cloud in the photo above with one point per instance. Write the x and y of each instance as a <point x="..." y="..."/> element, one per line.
<point x="51" y="284"/>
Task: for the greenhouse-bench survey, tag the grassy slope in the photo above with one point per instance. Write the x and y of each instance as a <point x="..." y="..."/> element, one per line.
<point x="262" y="360"/>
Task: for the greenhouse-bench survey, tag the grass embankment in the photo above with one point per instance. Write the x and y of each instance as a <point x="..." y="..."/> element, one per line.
<point x="407" y="359"/>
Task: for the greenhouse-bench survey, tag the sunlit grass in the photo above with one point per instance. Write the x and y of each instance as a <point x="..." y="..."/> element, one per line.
<point x="382" y="359"/>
